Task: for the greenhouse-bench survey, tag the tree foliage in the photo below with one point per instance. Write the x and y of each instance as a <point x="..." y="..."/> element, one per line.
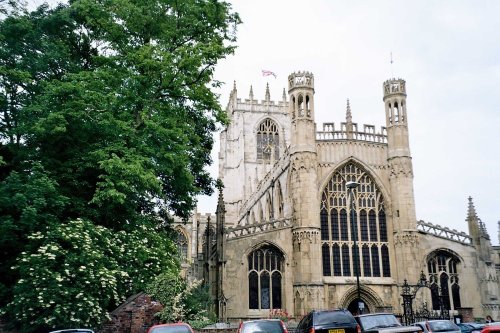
<point x="106" y="122"/>
<point x="186" y="301"/>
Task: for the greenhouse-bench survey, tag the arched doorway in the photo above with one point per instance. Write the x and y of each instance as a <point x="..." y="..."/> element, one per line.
<point x="353" y="307"/>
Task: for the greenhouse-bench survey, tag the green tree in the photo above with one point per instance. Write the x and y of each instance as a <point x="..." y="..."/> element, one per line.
<point x="187" y="301"/>
<point x="71" y="273"/>
<point x="106" y="116"/>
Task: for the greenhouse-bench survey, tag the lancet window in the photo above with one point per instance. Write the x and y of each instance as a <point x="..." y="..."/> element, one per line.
<point x="182" y="245"/>
<point x="443" y="276"/>
<point x="339" y="230"/>
<point x="268" y="140"/>
<point x="265" y="270"/>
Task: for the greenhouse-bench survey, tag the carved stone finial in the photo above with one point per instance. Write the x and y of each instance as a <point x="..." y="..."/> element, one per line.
<point x="284" y="95"/>
<point x="234" y="85"/>
<point x="348" y="116"/>
<point x="251" y="93"/>
<point x="268" y="95"/>
<point x="471" y="210"/>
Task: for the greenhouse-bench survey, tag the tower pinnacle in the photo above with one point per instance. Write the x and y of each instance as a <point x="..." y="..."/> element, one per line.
<point x="348" y="115"/>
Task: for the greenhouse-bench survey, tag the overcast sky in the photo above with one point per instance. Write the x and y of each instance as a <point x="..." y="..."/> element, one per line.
<point x="447" y="51"/>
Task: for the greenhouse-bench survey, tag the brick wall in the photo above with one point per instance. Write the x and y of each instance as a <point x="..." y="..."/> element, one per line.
<point x="136" y="315"/>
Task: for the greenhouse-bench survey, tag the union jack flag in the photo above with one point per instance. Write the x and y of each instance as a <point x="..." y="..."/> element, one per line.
<point x="267" y="73"/>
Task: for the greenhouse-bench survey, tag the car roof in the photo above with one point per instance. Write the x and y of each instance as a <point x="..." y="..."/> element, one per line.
<point x="69" y="330"/>
<point x="171" y="324"/>
<point x="375" y="314"/>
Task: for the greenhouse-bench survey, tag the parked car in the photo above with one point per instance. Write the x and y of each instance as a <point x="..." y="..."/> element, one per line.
<point x="491" y="328"/>
<point x="73" y="330"/>
<point x="465" y="328"/>
<point x="328" y="321"/>
<point x="263" y="326"/>
<point x="438" y="325"/>
<point x="470" y="327"/>
<point x="383" y="323"/>
<point x="171" y="328"/>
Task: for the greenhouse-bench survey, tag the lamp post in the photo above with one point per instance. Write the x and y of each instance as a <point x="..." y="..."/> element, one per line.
<point x="351" y="185"/>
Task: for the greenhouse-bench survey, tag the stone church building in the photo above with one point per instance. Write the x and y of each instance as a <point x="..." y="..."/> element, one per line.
<point x="325" y="218"/>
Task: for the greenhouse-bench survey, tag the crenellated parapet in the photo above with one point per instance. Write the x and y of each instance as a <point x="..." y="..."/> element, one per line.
<point x="300" y="79"/>
<point x="444" y="232"/>
<point x="368" y="134"/>
<point x="255" y="105"/>
<point x="258" y="228"/>
<point x="394" y="86"/>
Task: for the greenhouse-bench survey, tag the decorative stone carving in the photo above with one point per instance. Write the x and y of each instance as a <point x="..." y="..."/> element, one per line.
<point x="309" y="293"/>
<point x="304" y="161"/>
<point x="406" y="238"/>
<point x="312" y="236"/>
<point x="401" y="168"/>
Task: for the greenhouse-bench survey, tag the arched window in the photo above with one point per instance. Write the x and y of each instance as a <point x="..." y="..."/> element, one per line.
<point x="268" y="140"/>
<point x="443" y="275"/>
<point x="265" y="269"/>
<point x="338" y="231"/>
<point x="182" y="245"/>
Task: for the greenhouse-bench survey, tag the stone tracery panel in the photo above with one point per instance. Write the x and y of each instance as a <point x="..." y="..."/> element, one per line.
<point x="369" y="229"/>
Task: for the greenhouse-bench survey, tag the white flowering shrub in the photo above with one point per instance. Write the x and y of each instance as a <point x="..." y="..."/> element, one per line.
<point x="75" y="273"/>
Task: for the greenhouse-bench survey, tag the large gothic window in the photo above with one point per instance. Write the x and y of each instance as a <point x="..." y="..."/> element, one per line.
<point x="265" y="269"/>
<point x="268" y="140"/>
<point x="443" y="276"/>
<point x="369" y="226"/>
<point x="182" y="245"/>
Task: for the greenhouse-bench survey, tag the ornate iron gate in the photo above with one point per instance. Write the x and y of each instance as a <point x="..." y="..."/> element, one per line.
<point x="410" y="316"/>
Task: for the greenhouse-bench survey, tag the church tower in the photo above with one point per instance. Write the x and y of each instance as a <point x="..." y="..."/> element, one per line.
<point x="404" y="218"/>
<point x="307" y="284"/>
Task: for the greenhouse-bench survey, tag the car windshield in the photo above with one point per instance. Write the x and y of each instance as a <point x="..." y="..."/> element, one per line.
<point x="333" y="317"/>
<point x="442" y="326"/>
<point x="378" y="321"/>
<point x="171" y="329"/>
<point x="268" y="326"/>
<point x="73" y="330"/>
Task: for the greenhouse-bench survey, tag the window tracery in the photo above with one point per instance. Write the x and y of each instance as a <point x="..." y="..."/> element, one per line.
<point x="369" y="226"/>
<point x="443" y="276"/>
<point x="268" y="140"/>
<point x="265" y="269"/>
<point x="182" y="245"/>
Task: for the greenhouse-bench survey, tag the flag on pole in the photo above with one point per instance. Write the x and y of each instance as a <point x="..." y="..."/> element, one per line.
<point x="267" y="73"/>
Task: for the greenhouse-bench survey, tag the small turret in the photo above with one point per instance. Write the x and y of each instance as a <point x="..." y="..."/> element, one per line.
<point x="301" y="91"/>
<point x="301" y="111"/>
<point x="396" y="118"/>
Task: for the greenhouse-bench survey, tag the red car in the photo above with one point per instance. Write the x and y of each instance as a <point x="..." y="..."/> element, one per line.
<point x="171" y="328"/>
<point x="491" y="328"/>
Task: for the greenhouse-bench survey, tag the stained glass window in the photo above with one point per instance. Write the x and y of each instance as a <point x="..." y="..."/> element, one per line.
<point x="268" y="140"/>
<point x="337" y="225"/>
<point x="442" y="267"/>
<point x="265" y="267"/>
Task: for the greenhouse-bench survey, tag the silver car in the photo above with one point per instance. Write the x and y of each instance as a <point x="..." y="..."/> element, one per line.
<point x="73" y="330"/>
<point x="439" y="325"/>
